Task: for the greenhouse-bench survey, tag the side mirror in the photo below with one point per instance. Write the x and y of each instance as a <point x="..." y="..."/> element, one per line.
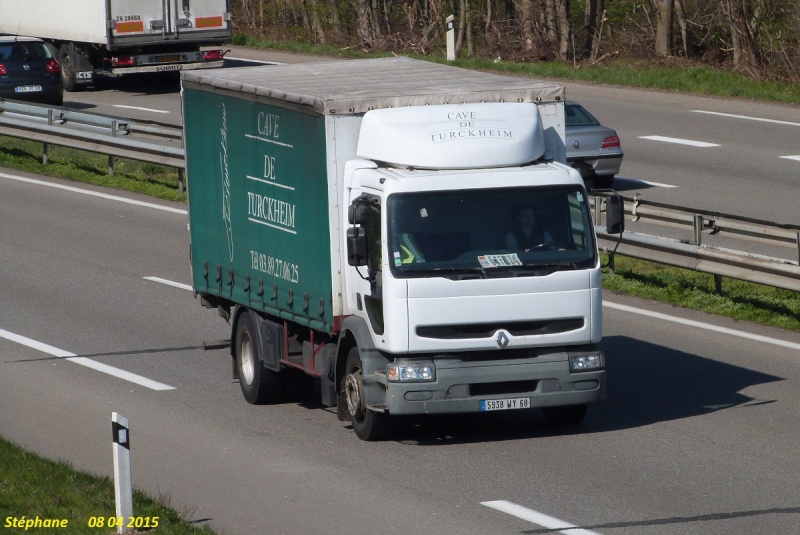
<point x="357" y="211"/>
<point x="615" y="214"/>
<point x="356" y="246"/>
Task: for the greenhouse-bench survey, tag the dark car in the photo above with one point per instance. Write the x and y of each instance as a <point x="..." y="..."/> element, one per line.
<point x="29" y="71"/>
<point x="592" y="149"/>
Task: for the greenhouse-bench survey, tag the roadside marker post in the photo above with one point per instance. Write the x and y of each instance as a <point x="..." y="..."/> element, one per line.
<point x="123" y="491"/>
<point x="450" y="38"/>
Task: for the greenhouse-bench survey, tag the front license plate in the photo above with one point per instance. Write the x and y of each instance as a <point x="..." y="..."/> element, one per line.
<point x="27" y="88"/>
<point x="505" y="404"/>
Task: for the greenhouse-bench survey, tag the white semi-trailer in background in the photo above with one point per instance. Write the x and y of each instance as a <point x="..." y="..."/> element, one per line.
<point x="116" y="37"/>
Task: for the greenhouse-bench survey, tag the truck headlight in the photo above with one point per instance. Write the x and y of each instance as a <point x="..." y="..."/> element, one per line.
<point x="411" y="372"/>
<point x="586" y="362"/>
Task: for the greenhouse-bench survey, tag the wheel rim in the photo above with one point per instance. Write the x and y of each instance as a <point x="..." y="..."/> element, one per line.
<point x="247" y="358"/>
<point x="353" y="394"/>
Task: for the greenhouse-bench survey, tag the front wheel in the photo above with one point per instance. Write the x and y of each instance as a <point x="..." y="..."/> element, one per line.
<point x="259" y="384"/>
<point x="368" y="425"/>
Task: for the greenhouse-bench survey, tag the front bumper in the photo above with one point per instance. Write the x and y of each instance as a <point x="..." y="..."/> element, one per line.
<point x="461" y="389"/>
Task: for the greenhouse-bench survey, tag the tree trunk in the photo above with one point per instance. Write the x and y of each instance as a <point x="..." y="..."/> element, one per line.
<point x="525" y="21"/>
<point x="316" y="23"/>
<point x="664" y="27"/>
<point x="686" y="34"/>
<point x="462" y="23"/>
<point x="564" y="28"/>
<point x="593" y="15"/>
<point x="366" y="30"/>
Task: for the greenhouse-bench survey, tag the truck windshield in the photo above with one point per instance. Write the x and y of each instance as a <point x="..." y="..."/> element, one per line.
<point x="500" y="232"/>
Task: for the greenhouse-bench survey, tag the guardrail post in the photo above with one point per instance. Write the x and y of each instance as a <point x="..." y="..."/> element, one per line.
<point x="111" y="156"/>
<point x="46" y="146"/>
<point x="598" y="204"/>
<point x="698" y="229"/>
<point x="181" y="180"/>
<point x="797" y="242"/>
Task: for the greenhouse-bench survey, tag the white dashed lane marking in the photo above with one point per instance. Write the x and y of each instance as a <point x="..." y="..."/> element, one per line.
<point x="679" y="141"/>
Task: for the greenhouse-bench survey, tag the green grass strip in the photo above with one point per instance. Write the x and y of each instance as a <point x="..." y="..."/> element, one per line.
<point x="35" y="492"/>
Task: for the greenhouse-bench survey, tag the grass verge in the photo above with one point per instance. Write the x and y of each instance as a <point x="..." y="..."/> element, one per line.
<point x="32" y="487"/>
<point x="149" y="179"/>
<point x="739" y="300"/>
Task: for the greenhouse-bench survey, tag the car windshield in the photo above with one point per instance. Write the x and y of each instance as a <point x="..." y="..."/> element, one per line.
<point x="504" y="232"/>
<point x="578" y="116"/>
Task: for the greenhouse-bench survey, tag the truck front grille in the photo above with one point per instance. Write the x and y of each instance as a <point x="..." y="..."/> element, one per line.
<point x="488" y="330"/>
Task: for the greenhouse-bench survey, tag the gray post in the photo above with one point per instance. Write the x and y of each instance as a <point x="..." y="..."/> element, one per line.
<point x="46" y="146"/>
<point x="123" y="490"/>
<point x="110" y="156"/>
<point x="698" y="229"/>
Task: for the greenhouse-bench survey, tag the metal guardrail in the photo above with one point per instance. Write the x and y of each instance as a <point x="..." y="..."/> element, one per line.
<point x="97" y="133"/>
<point x="692" y="254"/>
<point x="112" y="136"/>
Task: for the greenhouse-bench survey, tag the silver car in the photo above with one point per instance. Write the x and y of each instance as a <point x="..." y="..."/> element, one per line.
<point x="593" y="149"/>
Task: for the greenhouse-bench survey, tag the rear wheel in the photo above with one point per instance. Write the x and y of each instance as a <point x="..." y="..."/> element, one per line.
<point x="565" y="415"/>
<point x="67" y="62"/>
<point x="368" y="425"/>
<point x="259" y="384"/>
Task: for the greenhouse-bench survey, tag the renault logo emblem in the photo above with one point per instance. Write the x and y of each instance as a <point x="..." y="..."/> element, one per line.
<point x="501" y="339"/>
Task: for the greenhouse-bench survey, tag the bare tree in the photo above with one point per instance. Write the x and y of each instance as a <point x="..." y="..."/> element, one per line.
<point x="744" y="20"/>
<point x="593" y="14"/>
<point x="367" y="30"/>
<point x="664" y="27"/>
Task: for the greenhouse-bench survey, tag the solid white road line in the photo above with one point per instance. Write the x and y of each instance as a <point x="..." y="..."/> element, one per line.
<point x="83" y="361"/>
<point x="702" y="325"/>
<point x="169" y="283"/>
<point x="701" y="144"/>
<point x="94" y="193"/>
<point x="747" y="117"/>
<point x="151" y="110"/>
<point x="537" y="518"/>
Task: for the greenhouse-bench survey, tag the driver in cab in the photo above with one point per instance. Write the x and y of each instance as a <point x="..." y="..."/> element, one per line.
<point x="528" y="233"/>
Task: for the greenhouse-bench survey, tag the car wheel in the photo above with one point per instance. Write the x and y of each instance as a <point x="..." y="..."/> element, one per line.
<point x="259" y="384"/>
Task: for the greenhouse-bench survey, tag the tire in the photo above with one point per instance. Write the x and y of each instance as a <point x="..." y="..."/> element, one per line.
<point x="65" y="59"/>
<point x="565" y="415"/>
<point x="259" y="384"/>
<point x="367" y="424"/>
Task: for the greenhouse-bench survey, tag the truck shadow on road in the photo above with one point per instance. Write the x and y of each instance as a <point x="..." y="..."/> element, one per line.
<point x="647" y="384"/>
